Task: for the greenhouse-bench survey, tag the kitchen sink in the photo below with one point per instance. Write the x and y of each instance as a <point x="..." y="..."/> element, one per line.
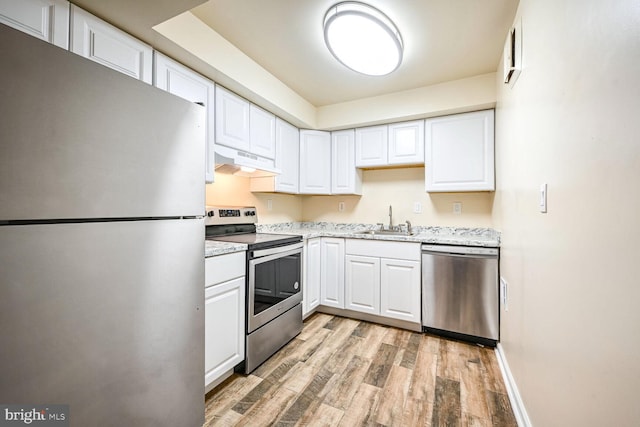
<point x="387" y="233"/>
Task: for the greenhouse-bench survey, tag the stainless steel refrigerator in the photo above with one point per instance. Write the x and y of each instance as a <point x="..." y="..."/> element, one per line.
<point x="101" y="241"/>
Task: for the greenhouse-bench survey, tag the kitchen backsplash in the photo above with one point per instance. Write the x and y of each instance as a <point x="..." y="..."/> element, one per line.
<point x="400" y="188"/>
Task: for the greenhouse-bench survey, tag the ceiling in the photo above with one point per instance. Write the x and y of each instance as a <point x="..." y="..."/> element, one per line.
<point x="444" y="40"/>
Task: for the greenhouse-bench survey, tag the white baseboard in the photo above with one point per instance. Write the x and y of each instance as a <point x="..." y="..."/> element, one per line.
<point x="517" y="404"/>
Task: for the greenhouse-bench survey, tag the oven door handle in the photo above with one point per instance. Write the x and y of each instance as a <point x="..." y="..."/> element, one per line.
<point x="278" y="250"/>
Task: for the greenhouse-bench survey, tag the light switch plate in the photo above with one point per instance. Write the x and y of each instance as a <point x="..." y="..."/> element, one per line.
<point x="503" y="291"/>
<point x="543" y="198"/>
<point x="417" y="207"/>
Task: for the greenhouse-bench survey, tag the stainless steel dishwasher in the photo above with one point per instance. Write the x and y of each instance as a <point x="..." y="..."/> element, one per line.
<point x="460" y="296"/>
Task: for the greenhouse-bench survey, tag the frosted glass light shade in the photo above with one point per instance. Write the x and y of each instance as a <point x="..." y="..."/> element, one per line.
<point x="362" y="38"/>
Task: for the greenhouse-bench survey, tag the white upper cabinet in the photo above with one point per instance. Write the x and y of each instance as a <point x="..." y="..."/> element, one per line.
<point x="105" y="44"/>
<point x="181" y="81"/>
<point x="345" y="178"/>
<point x="232" y="120"/>
<point x="315" y="162"/>
<point x="390" y="145"/>
<point x="287" y="157"/>
<point x="406" y="143"/>
<point x="459" y="152"/>
<point x="372" y="146"/>
<point x="47" y="20"/>
<point x="244" y="126"/>
<point x="262" y="126"/>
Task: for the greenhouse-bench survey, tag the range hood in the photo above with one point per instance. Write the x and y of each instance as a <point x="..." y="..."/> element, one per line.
<point x="241" y="163"/>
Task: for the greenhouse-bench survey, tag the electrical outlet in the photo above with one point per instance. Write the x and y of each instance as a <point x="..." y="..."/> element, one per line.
<point x="341" y="206"/>
<point x="504" y="288"/>
<point x="417" y="207"/>
<point x="457" y="208"/>
<point x="269" y="204"/>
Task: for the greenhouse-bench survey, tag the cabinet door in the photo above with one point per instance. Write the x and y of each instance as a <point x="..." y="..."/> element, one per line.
<point x="224" y="309"/>
<point x="362" y="284"/>
<point x="287" y="157"/>
<point x="315" y="162"/>
<point x="181" y="81"/>
<point x="400" y="289"/>
<point x="372" y="146"/>
<point x="232" y="120"/>
<point x="406" y="143"/>
<point x="312" y="275"/>
<point x="459" y="152"/>
<point x="47" y="20"/>
<point x="262" y="126"/>
<point x="103" y="43"/>
<point x="332" y="272"/>
<point x="345" y="178"/>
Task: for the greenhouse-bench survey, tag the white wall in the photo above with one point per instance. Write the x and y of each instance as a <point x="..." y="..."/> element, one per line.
<point x="572" y="332"/>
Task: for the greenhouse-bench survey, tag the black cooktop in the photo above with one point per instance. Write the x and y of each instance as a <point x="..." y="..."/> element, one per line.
<point x="259" y="240"/>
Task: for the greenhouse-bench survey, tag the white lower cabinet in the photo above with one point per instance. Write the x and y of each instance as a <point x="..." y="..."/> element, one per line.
<point x="383" y="278"/>
<point x="362" y="284"/>
<point x="332" y="272"/>
<point x="400" y="289"/>
<point x="311" y="284"/>
<point x="224" y="312"/>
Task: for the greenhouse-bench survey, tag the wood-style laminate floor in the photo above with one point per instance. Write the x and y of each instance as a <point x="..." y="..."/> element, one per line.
<point x="344" y="372"/>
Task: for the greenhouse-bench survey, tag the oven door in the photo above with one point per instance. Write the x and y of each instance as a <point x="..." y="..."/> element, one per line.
<point x="274" y="284"/>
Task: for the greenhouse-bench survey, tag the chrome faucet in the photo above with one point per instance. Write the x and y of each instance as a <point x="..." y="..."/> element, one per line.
<point x="390" y="218"/>
<point x="408" y="226"/>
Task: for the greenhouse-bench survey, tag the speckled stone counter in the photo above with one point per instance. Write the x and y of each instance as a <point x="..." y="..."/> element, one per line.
<point x="212" y="248"/>
<point x="485" y="237"/>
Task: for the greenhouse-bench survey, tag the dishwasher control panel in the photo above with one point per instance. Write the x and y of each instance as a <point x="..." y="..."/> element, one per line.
<point x="463" y="250"/>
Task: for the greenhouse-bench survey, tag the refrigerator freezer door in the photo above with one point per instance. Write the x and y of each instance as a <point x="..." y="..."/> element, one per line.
<point x="79" y="140"/>
<point x="107" y="318"/>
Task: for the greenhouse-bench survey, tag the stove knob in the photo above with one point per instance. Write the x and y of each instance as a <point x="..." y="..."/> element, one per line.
<point x="210" y="213"/>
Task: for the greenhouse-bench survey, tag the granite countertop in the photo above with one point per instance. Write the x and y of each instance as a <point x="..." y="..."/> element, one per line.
<point x="212" y="248"/>
<point x="484" y="237"/>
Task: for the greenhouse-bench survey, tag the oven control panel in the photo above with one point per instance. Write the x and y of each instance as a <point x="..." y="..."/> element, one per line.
<point x="230" y="215"/>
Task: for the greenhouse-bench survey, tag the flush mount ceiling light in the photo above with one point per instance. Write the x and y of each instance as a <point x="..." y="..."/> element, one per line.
<point x="362" y="38"/>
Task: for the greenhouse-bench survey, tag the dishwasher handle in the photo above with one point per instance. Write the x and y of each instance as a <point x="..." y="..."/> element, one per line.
<point x="462" y="251"/>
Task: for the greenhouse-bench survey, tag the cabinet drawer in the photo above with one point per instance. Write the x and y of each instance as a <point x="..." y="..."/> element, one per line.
<point x="223" y="268"/>
<point x="396" y="250"/>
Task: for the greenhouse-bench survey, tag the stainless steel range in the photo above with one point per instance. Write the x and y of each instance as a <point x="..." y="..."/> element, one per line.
<point x="274" y="280"/>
